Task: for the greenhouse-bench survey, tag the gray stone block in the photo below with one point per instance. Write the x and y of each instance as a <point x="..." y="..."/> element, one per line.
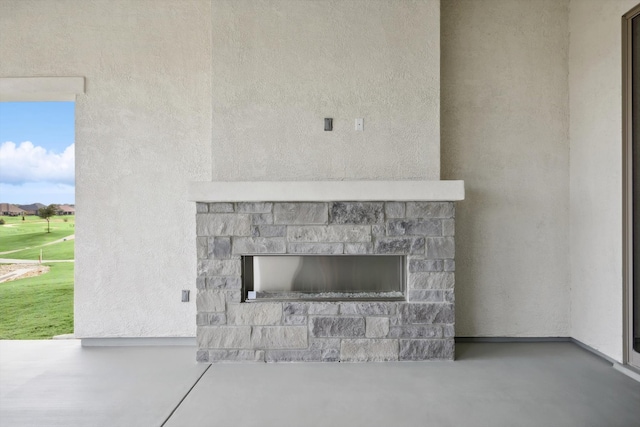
<point x="324" y="344"/>
<point x="232" y="296"/>
<point x="201" y="283"/>
<point x="258" y="245"/>
<point x="220" y="356"/>
<point x="202" y="247"/>
<point x="449" y="265"/>
<point x="202" y="356"/>
<point x="449" y="296"/>
<point x="369" y="350"/>
<point x="205" y="319"/>
<point x="337" y="327"/>
<point x="211" y="267"/>
<point x="279" y="337"/>
<point x="424" y="265"/>
<point x="413" y="227"/>
<point x="300" y="213"/>
<point x="220" y="207"/>
<point x="295" y="320"/>
<point x="427" y="349"/>
<point x="430" y="210"/>
<point x="376" y="327"/>
<point x="358" y="248"/>
<point x="399" y="245"/>
<point x="258" y="219"/>
<point x="272" y="230"/>
<point x="279" y="356"/>
<point x="397" y="227"/>
<point x="441" y="247"/>
<point x="448" y="331"/>
<point x="272" y="356"/>
<point x="202" y="319"/>
<point x="224" y="283"/>
<point x="331" y="355"/>
<point x="224" y="337"/>
<point x="295" y="308"/>
<point x="356" y="212"/>
<point x="394" y="209"/>
<point x="262" y="313"/>
<point x="415" y="331"/>
<point x="429" y="313"/>
<point x="325" y="308"/>
<point x="220" y="247"/>
<point x="373" y="308"/>
<point x="378" y="229"/>
<point x="331" y="233"/>
<point x="395" y="321"/>
<point x="209" y="301"/>
<point x="217" y="318"/>
<point x="254" y="207"/>
<point x="315" y="248"/>
<point x="432" y="280"/>
<point x="426" y="296"/>
<point x="223" y="225"/>
<point x="448" y="227"/>
<point x="202" y="207"/>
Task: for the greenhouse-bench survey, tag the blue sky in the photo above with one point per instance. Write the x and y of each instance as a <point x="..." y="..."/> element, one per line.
<point x="37" y="152"/>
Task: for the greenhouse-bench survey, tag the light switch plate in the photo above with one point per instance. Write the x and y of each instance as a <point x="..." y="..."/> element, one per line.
<point x="359" y="124"/>
<point x="185" y="295"/>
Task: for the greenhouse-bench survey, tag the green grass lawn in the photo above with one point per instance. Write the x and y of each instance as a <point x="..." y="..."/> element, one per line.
<point x="32" y="232"/>
<point x="62" y="250"/>
<point x="38" y="307"/>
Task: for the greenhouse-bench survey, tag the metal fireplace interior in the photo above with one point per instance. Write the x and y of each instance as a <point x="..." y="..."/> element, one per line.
<point x="323" y="277"/>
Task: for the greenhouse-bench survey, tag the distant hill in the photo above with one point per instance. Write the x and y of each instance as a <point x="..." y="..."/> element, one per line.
<point x="33" y="207"/>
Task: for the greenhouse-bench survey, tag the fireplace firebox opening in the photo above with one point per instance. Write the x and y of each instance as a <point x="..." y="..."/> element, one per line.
<point x="323" y="277"/>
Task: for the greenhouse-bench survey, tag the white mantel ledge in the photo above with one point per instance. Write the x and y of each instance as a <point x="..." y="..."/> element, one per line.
<point x="325" y="191"/>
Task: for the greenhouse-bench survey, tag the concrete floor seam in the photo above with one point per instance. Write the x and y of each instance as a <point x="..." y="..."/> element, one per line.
<point x="184" y="397"/>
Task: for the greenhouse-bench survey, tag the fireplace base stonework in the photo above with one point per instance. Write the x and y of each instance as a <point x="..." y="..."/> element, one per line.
<point x="418" y="328"/>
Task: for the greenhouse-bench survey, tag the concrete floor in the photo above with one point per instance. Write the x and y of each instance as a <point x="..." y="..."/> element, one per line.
<point x="59" y="383"/>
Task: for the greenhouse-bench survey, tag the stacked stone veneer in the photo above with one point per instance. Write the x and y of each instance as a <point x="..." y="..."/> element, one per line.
<point x="420" y="328"/>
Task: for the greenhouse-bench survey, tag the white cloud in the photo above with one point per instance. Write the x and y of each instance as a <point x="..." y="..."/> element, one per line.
<point x="28" y="163"/>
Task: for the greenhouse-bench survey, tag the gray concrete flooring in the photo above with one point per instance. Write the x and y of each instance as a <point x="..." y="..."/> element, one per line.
<point x="59" y="383"/>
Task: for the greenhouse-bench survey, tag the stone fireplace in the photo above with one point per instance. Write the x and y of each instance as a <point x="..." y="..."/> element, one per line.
<point x="419" y="326"/>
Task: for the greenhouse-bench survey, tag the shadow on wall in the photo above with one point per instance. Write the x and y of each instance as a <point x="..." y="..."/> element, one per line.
<point x="451" y="159"/>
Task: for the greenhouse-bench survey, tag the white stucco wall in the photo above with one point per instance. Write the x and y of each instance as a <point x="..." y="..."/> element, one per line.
<point x="595" y="63"/>
<point x="505" y="133"/>
<point x="280" y="67"/>
<point x="181" y="91"/>
<point x="143" y="132"/>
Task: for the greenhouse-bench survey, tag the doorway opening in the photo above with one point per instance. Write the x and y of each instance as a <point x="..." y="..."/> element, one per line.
<point x="37" y="219"/>
<point x="631" y="182"/>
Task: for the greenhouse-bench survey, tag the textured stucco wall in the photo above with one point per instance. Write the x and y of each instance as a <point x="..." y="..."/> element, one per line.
<point x="281" y="66"/>
<point x="143" y="132"/>
<point x="595" y="63"/>
<point x="505" y="133"/>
